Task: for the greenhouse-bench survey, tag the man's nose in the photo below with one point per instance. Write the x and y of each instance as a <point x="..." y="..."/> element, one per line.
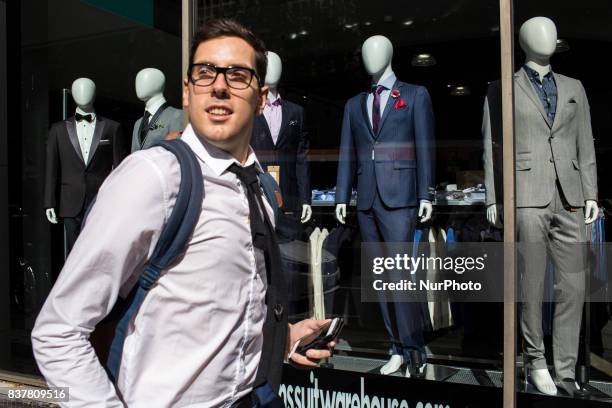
<point x="219" y="87"/>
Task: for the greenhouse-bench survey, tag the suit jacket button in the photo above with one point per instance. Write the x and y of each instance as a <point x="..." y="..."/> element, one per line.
<point x="278" y="311"/>
<point x="552" y="160"/>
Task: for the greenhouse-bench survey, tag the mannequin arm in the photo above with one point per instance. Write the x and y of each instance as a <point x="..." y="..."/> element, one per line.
<point x="306" y="213"/>
<point x="50" y="213"/>
<point x="341" y="213"/>
<point x="590" y="211"/>
<point x="425" y="210"/>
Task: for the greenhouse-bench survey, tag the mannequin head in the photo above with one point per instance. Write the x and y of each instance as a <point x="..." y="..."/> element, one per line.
<point x="83" y="92"/>
<point x="275" y="69"/>
<point x="538" y="39"/>
<point x="377" y="52"/>
<point x="149" y="83"/>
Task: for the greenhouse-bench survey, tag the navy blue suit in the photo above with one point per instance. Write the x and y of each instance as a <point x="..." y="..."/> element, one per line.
<point x="395" y="170"/>
<point x="290" y="153"/>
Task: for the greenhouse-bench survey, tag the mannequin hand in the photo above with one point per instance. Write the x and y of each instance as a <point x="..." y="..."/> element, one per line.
<point x="50" y="213"/>
<point x="306" y="213"/>
<point x="590" y="211"/>
<point x="341" y="213"/>
<point x="494" y="215"/>
<point x="425" y="210"/>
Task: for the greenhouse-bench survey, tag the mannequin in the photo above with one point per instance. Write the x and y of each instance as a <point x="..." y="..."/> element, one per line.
<point x="387" y="139"/>
<point x="556" y="178"/>
<point x="377" y="52"/>
<point x="161" y="118"/>
<point x="81" y="152"/>
<point x="281" y="143"/>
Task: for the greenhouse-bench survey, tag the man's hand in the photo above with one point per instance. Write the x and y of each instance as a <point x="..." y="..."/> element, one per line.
<point x="306" y="331"/>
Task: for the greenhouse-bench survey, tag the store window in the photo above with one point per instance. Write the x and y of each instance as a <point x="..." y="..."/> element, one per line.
<point x="76" y="93"/>
<point x="562" y="160"/>
<point x="435" y="61"/>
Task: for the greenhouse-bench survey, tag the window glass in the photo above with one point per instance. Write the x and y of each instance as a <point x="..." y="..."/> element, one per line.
<point x="65" y="58"/>
<point x="562" y="160"/>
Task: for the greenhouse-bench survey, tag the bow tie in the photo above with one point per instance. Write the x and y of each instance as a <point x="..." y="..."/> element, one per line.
<point x="276" y="102"/>
<point x="80" y="117"/>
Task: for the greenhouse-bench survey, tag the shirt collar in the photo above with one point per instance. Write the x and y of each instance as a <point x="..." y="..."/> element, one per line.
<point x="218" y="160"/>
<point x="155" y="106"/>
<point x="388" y="82"/>
<point x="273" y="101"/>
<point x="82" y="112"/>
<point x="535" y="75"/>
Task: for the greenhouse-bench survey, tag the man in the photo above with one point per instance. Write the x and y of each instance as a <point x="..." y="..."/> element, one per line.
<point x="197" y="339"/>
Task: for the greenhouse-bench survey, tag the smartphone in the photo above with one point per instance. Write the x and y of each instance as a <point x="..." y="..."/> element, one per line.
<point x="327" y="333"/>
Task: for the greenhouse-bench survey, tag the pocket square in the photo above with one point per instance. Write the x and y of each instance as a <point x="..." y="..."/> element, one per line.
<point x="104" y="141"/>
<point x="293" y="122"/>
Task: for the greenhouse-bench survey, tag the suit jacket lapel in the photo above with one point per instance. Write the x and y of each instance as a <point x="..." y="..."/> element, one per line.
<point x="96" y="137"/>
<point x="74" y="139"/>
<point x="364" y="111"/>
<point x="264" y="125"/>
<point x="388" y="106"/>
<point x="527" y="86"/>
<point x="561" y="92"/>
<point x="284" y="122"/>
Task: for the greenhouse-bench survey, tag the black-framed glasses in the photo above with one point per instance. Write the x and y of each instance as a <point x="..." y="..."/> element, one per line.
<point x="235" y="77"/>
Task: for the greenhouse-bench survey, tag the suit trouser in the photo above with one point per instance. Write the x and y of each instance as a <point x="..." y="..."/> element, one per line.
<point x="555" y="231"/>
<point x="403" y="320"/>
<point x="73" y="229"/>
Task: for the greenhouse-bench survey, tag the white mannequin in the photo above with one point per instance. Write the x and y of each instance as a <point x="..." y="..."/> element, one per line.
<point x="538" y="39"/>
<point x="377" y="53"/>
<point x="84" y="93"/>
<point x="273" y="75"/>
<point x="150" y="84"/>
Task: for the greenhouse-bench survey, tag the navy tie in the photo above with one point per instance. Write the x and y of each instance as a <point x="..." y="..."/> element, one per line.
<point x="376" y="108"/>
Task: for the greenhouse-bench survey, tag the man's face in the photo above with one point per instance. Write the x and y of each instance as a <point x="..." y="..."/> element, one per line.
<point x="220" y="114"/>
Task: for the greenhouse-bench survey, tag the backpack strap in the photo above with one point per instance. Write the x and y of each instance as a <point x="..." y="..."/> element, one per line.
<point x="271" y="191"/>
<point x="172" y="242"/>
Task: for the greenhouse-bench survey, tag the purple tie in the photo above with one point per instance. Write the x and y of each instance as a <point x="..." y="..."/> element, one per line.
<point x="376" y="108"/>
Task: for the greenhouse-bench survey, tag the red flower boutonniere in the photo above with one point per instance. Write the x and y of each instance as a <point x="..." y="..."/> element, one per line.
<point x="400" y="103"/>
<point x="395" y="93"/>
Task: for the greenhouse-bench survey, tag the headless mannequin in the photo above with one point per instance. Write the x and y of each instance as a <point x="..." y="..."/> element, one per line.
<point x="538" y="39"/>
<point x="84" y="93"/>
<point x="150" y="83"/>
<point x="273" y="75"/>
<point x="377" y="52"/>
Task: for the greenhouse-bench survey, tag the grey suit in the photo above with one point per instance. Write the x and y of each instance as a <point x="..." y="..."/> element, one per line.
<point x="169" y="121"/>
<point x="555" y="174"/>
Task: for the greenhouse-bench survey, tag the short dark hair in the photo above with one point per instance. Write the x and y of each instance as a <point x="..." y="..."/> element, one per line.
<point x="226" y="27"/>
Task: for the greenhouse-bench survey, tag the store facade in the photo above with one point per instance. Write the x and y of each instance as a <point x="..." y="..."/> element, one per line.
<point x="492" y="150"/>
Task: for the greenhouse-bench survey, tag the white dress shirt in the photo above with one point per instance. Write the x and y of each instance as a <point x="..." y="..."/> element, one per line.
<point x="85" y="131"/>
<point x="197" y="338"/>
<point x="388" y="83"/>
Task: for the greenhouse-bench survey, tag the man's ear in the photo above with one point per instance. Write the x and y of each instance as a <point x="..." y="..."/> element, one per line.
<point x="185" y="93"/>
<point x="261" y="103"/>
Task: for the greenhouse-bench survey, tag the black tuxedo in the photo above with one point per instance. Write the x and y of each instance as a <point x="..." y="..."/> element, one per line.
<point x="72" y="180"/>
<point x="290" y="153"/>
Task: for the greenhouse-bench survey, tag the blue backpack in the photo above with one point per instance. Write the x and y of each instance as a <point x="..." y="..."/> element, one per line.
<point x="172" y="242"/>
